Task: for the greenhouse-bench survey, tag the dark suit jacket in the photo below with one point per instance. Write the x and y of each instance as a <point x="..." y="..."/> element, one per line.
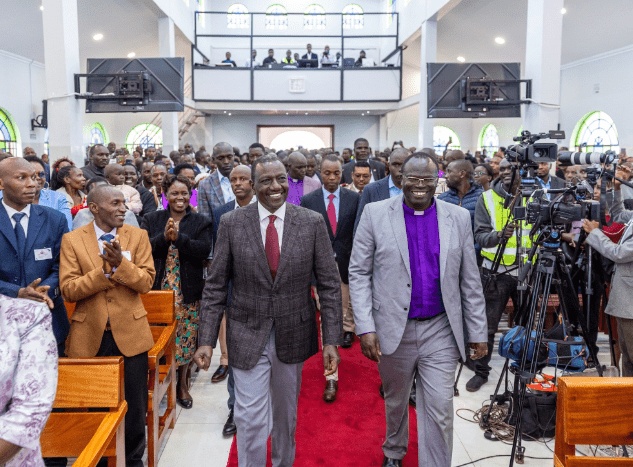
<point x="193" y="244"/>
<point x="91" y="171"/>
<point x="312" y="56"/>
<point x="342" y="241"/>
<point x="373" y="192"/>
<point x="217" y="214"/>
<point x="257" y="302"/>
<point x="148" y="200"/>
<point x="46" y="228"/>
<point x="556" y="183"/>
<point x="377" y="170"/>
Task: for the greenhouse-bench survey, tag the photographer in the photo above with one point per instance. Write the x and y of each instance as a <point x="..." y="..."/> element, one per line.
<point x="621" y="254"/>
<point x="490" y="219"/>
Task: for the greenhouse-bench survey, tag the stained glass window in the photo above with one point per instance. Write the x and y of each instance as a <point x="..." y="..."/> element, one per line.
<point x="237" y="16"/>
<point x="314" y="17"/>
<point x="98" y="134"/>
<point x="596" y="132"/>
<point x="8" y="134"/>
<point x="145" y="134"/>
<point x="276" y="17"/>
<point x="489" y="139"/>
<point x="441" y="137"/>
<point x="353" y="17"/>
<point x="201" y="17"/>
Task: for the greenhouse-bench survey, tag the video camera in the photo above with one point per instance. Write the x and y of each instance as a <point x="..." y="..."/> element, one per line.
<point x="529" y="151"/>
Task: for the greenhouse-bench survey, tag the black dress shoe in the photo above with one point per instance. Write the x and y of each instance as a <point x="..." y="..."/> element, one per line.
<point x="348" y="340"/>
<point x="220" y="374"/>
<point x="331" y="388"/>
<point x="229" y="427"/>
<point x="185" y="403"/>
<point x="391" y="462"/>
<point x="412" y="395"/>
<point x="381" y="391"/>
<point x="475" y="383"/>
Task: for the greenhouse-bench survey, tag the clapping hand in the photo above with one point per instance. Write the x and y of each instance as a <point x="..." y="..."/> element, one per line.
<point x="171" y="231"/>
<point x="36" y="292"/>
<point x="112" y="255"/>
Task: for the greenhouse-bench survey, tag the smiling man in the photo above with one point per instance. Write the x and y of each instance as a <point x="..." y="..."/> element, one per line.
<point x="269" y="251"/>
<point x="105" y="266"/>
<point x="414" y="286"/>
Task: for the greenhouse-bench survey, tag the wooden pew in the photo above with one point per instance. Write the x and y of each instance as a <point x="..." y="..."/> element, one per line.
<point x="593" y="411"/>
<point x="162" y="367"/>
<point x="88" y="383"/>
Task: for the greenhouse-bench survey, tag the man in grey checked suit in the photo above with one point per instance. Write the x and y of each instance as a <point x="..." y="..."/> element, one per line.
<point x="215" y="190"/>
<point x="621" y="254"/>
<point x="269" y="251"/>
<point x="414" y="285"/>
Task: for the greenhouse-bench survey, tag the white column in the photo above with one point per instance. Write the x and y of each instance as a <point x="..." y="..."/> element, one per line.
<point x="428" y="54"/>
<point x="167" y="48"/>
<point x="61" y="53"/>
<point x="542" y="63"/>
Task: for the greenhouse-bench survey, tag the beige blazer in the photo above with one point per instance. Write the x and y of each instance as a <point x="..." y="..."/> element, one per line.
<point x="98" y="298"/>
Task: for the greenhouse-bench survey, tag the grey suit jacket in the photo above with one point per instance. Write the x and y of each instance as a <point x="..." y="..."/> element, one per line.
<point x="210" y="194"/>
<point x="380" y="274"/>
<point x="621" y="253"/>
<point x="258" y="302"/>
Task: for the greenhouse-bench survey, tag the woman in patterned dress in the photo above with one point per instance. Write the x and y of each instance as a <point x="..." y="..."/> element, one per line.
<point x="181" y="241"/>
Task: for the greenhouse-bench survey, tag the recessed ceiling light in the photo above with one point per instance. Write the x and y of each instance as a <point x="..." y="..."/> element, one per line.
<point x="461" y="59"/>
<point x="500" y="40"/>
<point x="131" y="55"/>
<point x="41" y="7"/>
<point x="306" y="113"/>
<point x="225" y="111"/>
<point x="286" y="113"/>
<point x="362" y="115"/>
<point x="229" y="114"/>
<point x="98" y="37"/>
<point x="367" y="111"/>
<point x="563" y="11"/>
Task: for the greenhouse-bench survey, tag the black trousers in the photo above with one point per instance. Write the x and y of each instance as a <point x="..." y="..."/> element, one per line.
<point x="502" y="289"/>
<point x="135" y="369"/>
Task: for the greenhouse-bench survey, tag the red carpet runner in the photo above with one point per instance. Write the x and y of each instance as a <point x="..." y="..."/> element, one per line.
<point x="349" y="432"/>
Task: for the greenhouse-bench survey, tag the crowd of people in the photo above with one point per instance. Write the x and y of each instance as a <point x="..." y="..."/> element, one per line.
<point x="390" y="246"/>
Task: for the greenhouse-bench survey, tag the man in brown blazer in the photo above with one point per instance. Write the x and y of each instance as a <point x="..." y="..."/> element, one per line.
<point x="269" y="251"/>
<point x="105" y="266"/>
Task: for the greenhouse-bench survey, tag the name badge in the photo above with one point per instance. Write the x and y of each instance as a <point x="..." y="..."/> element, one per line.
<point x="43" y="254"/>
<point x="127" y="255"/>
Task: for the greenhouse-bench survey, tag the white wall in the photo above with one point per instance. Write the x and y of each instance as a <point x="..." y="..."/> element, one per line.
<point x="578" y="97"/>
<point x="21" y="95"/>
<point x="241" y="130"/>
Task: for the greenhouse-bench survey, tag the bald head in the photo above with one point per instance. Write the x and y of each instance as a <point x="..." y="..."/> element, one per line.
<point x="462" y="165"/>
<point x="297" y="165"/>
<point x="399" y="153"/>
<point x="114" y="174"/>
<point x="101" y="193"/>
<point x="241" y="170"/>
<point x="107" y="205"/>
<point x="10" y="165"/>
<point x="453" y="156"/>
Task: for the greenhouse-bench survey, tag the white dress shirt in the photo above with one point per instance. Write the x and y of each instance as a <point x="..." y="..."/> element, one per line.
<point x="227" y="191"/>
<point x="99" y="233"/>
<point x="264" y="221"/>
<point x="253" y="200"/>
<point x="24" y="222"/>
<point x="202" y="168"/>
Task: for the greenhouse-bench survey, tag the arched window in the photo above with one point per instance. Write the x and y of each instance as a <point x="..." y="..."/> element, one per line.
<point x="276" y="17"/>
<point x="98" y="135"/>
<point x="145" y="134"/>
<point x="595" y="132"/>
<point x="9" y="136"/>
<point x="489" y="139"/>
<point x="237" y="16"/>
<point x="314" y="17"/>
<point x="441" y="137"/>
<point x="353" y="17"/>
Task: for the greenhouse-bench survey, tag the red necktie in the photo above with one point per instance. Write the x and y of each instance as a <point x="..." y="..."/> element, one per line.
<point x="331" y="214"/>
<point x="272" y="246"/>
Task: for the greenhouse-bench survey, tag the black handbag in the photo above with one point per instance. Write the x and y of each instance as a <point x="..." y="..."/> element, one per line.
<point x="538" y="416"/>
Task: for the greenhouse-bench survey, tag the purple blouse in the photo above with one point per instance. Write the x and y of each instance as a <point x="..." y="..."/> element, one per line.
<point x="28" y="376"/>
<point x="295" y="191"/>
<point x="423" y="237"/>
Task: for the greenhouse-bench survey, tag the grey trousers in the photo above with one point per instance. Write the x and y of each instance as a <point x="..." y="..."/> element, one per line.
<point x="266" y="405"/>
<point x="430" y="347"/>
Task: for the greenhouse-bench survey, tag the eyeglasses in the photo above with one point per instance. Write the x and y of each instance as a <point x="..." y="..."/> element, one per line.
<point x="481" y="173"/>
<point x="424" y="181"/>
<point x="40" y="174"/>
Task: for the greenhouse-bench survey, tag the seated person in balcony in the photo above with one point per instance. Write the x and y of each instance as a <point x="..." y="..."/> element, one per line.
<point x="310" y="55"/>
<point x="297" y="57"/>
<point x="270" y="59"/>
<point x="359" y="62"/>
<point x="288" y="60"/>
<point x="253" y="61"/>
<point x="327" y="58"/>
<point x="228" y="59"/>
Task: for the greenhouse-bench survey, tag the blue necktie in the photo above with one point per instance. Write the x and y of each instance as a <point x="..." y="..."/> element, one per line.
<point x="106" y="238"/>
<point x="21" y="239"/>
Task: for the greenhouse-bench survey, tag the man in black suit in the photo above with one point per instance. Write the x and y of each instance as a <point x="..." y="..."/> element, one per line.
<point x="310" y="55"/>
<point x="268" y="251"/>
<point x="338" y="207"/>
<point x="99" y="158"/>
<point x="546" y="180"/>
<point x="361" y="153"/>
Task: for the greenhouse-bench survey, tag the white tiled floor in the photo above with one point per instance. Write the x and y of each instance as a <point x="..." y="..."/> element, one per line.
<point x="197" y="438"/>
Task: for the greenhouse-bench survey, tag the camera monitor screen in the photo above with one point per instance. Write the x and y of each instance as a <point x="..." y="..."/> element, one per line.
<point x="309" y="63"/>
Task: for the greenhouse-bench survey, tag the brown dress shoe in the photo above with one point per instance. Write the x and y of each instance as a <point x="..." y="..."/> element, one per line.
<point x="331" y="387"/>
<point x="220" y="374"/>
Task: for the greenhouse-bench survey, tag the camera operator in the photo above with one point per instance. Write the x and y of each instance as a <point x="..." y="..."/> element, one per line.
<point x="621" y="254"/>
<point x="490" y="219"/>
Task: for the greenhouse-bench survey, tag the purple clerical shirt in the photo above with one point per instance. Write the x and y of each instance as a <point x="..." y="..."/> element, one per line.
<point x="423" y="237"/>
<point x="295" y="191"/>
